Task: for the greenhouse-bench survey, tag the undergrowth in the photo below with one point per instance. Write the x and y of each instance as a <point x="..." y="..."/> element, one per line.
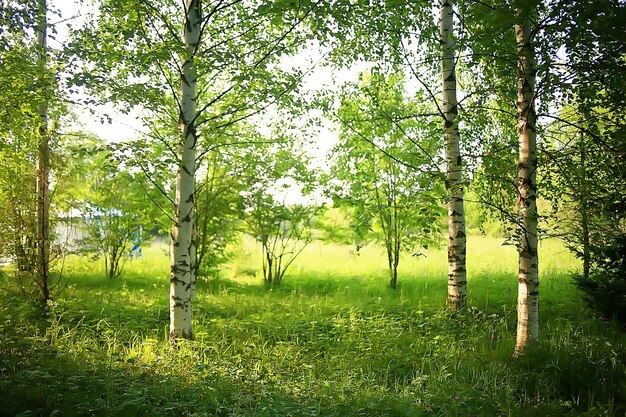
<point x="332" y="340"/>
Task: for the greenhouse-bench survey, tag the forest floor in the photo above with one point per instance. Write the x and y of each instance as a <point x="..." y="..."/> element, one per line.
<point x="331" y="340"/>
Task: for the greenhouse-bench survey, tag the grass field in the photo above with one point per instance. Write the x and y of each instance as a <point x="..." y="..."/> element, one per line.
<point x="332" y="340"/>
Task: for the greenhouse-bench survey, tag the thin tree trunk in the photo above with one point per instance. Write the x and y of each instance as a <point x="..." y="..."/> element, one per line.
<point x="396" y="261"/>
<point x="393" y="276"/>
<point x="396" y="239"/>
<point x="43" y="151"/>
<point x="384" y="216"/>
<point x="584" y="210"/>
<point x="204" y="218"/>
<point x="457" y="279"/>
<point x="268" y="265"/>
<point x="264" y="259"/>
<point x="182" y="246"/>
<point x="270" y="268"/>
<point x="389" y="249"/>
<point x="528" y="289"/>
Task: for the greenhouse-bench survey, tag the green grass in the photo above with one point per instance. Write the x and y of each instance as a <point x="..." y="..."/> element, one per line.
<point x="332" y="340"/>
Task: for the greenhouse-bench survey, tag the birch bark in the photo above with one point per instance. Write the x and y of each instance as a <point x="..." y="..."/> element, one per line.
<point x="528" y="287"/>
<point x="43" y="164"/>
<point x="182" y="246"/>
<point x="457" y="280"/>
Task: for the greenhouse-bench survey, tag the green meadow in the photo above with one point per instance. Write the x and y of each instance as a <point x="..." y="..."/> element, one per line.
<point x="331" y="340"/>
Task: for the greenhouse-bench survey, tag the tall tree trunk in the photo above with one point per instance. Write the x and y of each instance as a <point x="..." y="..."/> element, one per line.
<point x="43" y="156"/>
<point x="457" y="279"/>
<point x="182" y="246"/>
<point x="528" y="289"/>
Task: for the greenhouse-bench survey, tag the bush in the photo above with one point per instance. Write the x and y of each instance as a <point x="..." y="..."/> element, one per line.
<point x="605" y="288"/>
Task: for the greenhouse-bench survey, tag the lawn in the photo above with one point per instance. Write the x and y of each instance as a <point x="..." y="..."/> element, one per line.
<point x="332" y="340"/>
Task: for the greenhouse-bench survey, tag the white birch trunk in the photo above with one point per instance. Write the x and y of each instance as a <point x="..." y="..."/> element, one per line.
<point x="528" y="288"/>
<point x="43" y="157"/>
<point x="457" y="280"/>
<point x="182" y="246"/>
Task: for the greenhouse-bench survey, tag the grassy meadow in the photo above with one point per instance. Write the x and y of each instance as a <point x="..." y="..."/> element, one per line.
<point x="332" y="340"/>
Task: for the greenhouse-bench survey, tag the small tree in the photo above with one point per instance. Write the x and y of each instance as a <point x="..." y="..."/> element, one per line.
<point x="112" y="233"/>
<point x="218" y="211"/>
<point x="382" y="168"/>
<point x="113" y="204"/>
<point x="283" y="231"/>
<point x="282" y="227"/>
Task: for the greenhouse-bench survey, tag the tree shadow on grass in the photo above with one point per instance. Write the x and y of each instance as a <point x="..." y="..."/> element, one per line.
<point x="42" y="380"/>
<point x="387" y="353"/>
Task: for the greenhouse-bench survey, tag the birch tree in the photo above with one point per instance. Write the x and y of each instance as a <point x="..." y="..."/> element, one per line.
<point x="203" y="67"/>
<point x="528" y="287"/>
<point x="457" y="291"/>
<point x="182" y="244"/>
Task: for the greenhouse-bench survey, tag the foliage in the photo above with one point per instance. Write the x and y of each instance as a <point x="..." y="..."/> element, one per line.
<point x="333" y="225"/>
<point x="605" y="286"/>
<point x="590" y="212"/>
<point x="488" y="112"/>
<point x="152" y="164"/>
<point x="384" y="168"/>
<point x="236" y="62"/>
<point x="21" y="77"/>
<point x="282" y="227"/>
<point x="17" y="199"/>
<point x="219" y="209"/>
<point x="585" y="152"/>
<point x="364" y="31"/>
<point x="113" y="206"/>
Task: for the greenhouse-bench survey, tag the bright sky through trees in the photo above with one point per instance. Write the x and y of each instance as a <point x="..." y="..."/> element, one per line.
<point x="113" y="126"/>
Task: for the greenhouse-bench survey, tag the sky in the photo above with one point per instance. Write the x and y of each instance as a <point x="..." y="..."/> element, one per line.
<point x="122" y="127"/>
